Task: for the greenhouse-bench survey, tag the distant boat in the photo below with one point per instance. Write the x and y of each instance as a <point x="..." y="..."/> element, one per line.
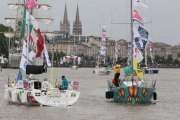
<point x="150" y="70"/>
<point x="102" y="68"/>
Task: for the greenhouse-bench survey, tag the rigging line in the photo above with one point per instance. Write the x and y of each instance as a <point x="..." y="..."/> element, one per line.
<point x="129" y="23"/>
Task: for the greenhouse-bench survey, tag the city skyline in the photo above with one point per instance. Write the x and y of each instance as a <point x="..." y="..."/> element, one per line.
<point x="94" y="13"/>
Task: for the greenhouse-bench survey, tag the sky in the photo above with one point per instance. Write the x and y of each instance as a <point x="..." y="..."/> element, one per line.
<point x="162" y="17"/>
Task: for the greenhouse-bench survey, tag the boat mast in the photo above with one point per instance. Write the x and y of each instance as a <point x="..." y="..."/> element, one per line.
<point x="131" y="17"/>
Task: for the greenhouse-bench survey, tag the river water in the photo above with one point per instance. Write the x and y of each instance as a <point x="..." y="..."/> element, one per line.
<point x="92" y="104"/>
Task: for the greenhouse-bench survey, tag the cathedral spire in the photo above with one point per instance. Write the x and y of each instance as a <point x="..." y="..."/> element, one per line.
<point x="77" y="15"/>
<point x="77" y="27"/>
<point x="65" y="20"/>
<point x="65" y="25"/>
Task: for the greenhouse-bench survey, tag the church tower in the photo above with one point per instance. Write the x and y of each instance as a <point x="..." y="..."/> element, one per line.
<point x="65" y="25"/>
<point x="77" y="27"/>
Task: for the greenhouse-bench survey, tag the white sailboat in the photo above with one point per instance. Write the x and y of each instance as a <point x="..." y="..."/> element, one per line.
<point x="33" y="91"/>
<point x="102" y="68"/>
<point x="149" y="70"/>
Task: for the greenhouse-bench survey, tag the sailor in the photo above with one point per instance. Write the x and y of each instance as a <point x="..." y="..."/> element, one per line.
<point x="57" y="84"/>
<point x="64" y="85"/>
<point x="117" y="69"/>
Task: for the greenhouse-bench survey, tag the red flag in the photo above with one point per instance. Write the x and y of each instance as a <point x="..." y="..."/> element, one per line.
<point x="40" y="43"/>
<point x="137" y="17"/>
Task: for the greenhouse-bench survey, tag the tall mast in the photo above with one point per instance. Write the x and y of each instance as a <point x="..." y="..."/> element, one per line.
<point x="131" y="14"/>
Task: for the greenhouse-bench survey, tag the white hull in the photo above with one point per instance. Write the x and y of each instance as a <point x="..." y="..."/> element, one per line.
<point x="103" y="71"/>
<point x="51" y="97"/>
<point x="74" y="67"/>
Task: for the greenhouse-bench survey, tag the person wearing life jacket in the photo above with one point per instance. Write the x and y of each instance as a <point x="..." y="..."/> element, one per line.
<point x="117" y="69"/>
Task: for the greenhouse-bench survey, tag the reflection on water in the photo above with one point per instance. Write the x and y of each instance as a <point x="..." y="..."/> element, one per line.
<point x="92" y="104"/>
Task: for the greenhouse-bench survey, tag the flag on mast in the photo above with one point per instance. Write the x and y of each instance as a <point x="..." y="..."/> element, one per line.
<point x="139" y="3"/>
<point x="137" y="17"/>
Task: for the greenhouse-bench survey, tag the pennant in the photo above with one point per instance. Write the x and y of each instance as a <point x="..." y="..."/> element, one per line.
<point x="30" y="19"/>
<point x="134" y="63"/>
<point x="23" y="25"/>
<point x="137" y="54"/>
<point x="2" y="60"/>
<point x="19" y="77"/>
<point x="143" y="33"/>
<point x="32" y="54"/>
<point x="40" y="43"/>
<point x="23" y="63"/>
<point x="139" y="3"/>
<point x="137" y="18"/>
<point x="47" y="56"/>
<point x="30" y="4"/>
<point x="103" y="34"/>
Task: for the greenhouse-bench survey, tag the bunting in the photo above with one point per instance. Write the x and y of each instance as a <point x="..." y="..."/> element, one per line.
<point x="137" y="18"/>
<point x="139" y="3"/>
<point x="143" y="33"/>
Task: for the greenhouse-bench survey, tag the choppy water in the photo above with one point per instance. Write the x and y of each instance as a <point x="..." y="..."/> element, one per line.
<point x="92" y="104"/>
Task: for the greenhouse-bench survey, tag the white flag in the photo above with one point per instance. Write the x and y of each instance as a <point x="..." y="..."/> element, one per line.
<point x="137" y="53"/>
<point x="2" y="59"/>
<point x="32" y="54"/>
<point x="47" y="56"/>
<point x="139" y="3"/>
<point x="23" y="63"/>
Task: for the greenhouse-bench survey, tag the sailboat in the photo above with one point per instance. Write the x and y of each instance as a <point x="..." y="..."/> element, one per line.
<point x="35" y="91"/>
<point x="14" y="52"/>
<point x="102" y="68"/>
<point x="150" y="70"/>
<point x="133" y="88"/>
<point x="74" y="58"/>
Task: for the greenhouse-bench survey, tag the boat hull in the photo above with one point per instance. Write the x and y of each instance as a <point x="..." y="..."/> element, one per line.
<point x="151" y="71"/>
<point x="74" y="67"/>
<point x="133" y="94"/>
<point x="103" y="71"/>
<point x="42" y="96"/>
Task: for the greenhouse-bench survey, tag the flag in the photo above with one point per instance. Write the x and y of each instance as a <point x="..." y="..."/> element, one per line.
<point x="149" y="44"/>
<point x="47" y="56"/>
<point x="143" y="33"/>
<point x="32" y="54"/>
<point x="138" y="43"/>
<point x="23" y="63"/>
<point x="134" y="63"/>
<point x="2" y="59"/>
<point x="23" y="25"/>
<point x="19" y="76"/>
<point x="40" y="44"/>
<point x="139" y="3"/>
<point x="137" y="53"/>
<point x="30" y="4"/>
<point x="103" y="34"/>
<point x="137" y="18"/>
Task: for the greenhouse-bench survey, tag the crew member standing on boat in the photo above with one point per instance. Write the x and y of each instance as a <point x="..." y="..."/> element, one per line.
<point x="64" y="85"/>
<point x="117" y="69"/>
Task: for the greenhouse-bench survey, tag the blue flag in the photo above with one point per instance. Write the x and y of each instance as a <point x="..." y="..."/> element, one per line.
<point x="19" y="77"/>
<point x="143" y="33"/>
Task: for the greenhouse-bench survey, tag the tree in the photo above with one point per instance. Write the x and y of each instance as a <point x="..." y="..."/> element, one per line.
<point x="3" y="40"/>
<point x="169" y="59"/>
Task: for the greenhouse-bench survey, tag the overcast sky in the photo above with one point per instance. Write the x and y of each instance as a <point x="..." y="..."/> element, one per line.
<point x="163" y="16"/>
